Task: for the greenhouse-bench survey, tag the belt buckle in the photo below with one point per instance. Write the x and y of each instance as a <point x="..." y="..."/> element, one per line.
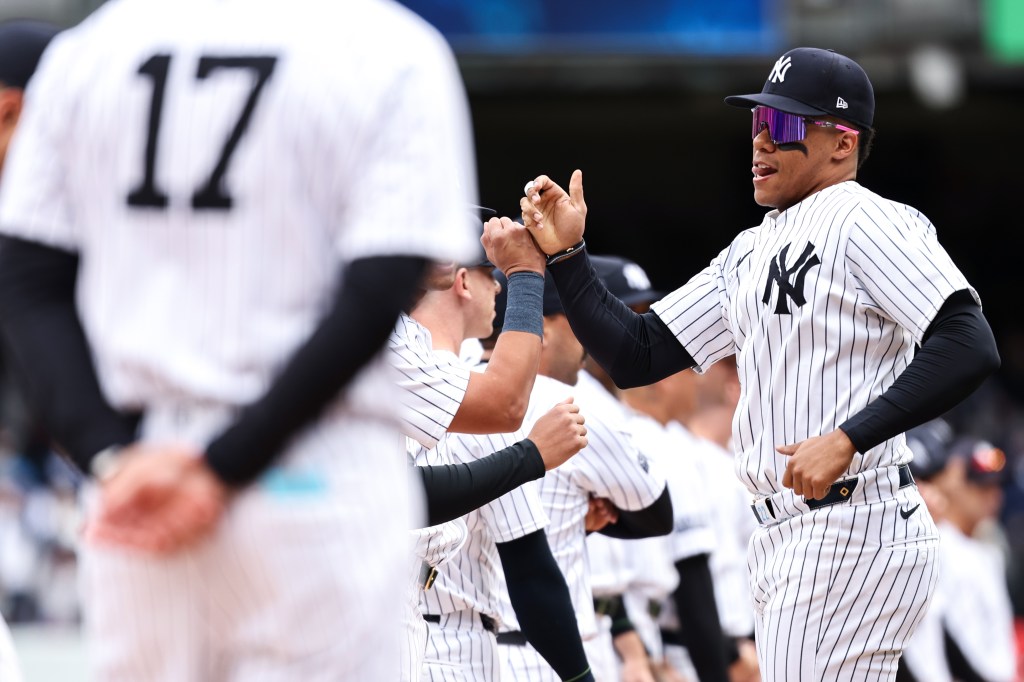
<point x="762" y="511"/>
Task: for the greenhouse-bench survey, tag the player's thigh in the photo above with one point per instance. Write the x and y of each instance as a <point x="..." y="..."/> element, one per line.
<point x="524" y="664"/>
<point x="841" y="591"/>
<point x="141" y="615"/>
<point x="312" y="587"/>
<point x="460" y="654"/>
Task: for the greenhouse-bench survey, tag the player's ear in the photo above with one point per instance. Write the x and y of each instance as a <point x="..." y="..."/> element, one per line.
<point x="10" y="107"/>
<point x="846" y="145"/>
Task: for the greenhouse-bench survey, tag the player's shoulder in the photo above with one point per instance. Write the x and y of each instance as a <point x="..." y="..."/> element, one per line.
<point x="867" y="210"/>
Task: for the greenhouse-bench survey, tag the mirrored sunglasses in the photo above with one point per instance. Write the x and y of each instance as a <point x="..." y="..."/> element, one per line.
<point x="784" y="127"/>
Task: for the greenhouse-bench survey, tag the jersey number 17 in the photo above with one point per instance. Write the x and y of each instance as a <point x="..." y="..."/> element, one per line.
<point x="212" y="193"/>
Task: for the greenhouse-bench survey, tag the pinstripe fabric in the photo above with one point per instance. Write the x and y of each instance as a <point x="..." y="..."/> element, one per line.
<point x="9" y="667"/>
<point x="524" y="664"/>
<point x="823" y="305"/>
<point x="469" y="583"/>
<point x="432" y="384"/>
<point x="471" y="580"/>
<point x="881" y="278"/>
<point x="459" y="649"/>
<point x="839" y="591"/>
<point x="610" y="466"/>
<point x="192" y="309"/>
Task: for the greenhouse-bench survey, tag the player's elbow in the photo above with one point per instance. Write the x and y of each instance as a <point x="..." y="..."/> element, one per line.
<point x="511" y="413"/>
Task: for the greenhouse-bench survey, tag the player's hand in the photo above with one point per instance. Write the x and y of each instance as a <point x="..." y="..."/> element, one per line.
<point x="636" y="670"/>
<point x="816" y="463"/>
<point x="746" y="667"/>
<point x="162" y="499"/>
<point x="555" y="219"/>
<point x="666" y="672"/>
<point x="510" y="247"/>
<point x="559" y="433"/>
<point x="600" y="512"/>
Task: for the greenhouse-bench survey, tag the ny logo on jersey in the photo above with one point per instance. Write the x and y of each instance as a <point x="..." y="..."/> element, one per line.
<point x="779" y="274"/>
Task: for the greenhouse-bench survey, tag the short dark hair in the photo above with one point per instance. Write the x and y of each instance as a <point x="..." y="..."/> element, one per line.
<point x="867" y="140"/>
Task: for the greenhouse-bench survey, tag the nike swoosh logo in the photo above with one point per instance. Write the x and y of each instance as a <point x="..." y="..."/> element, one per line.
<point x="907" y="513"/>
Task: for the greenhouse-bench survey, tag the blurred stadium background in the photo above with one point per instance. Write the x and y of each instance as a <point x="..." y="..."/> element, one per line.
<point x="632" y="94"/>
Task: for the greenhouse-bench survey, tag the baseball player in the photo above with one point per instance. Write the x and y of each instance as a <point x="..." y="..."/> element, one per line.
<point x="441" y="395"/>
<point x="195" y="220"/>
<point x="22" y="42"/>
<point x="609" y="467"/>
<point x="824" y="305"/>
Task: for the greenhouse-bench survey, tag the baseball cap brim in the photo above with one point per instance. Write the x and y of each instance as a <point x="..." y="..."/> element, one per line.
<point x="780" y="102"/>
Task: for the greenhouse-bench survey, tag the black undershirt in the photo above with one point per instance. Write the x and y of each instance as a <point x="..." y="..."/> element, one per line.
<point x="957" y="353"/>
<point x="453" y="490"/>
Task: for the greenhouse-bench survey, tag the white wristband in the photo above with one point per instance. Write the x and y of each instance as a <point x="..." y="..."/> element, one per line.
<point x="107" y="462"/>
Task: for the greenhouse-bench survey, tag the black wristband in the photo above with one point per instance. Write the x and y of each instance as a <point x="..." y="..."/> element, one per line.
<point x="568" y="253"/>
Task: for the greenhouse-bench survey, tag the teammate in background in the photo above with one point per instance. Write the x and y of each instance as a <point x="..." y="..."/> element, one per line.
<point x="823" y="305"/>
<point x="609" y="467"/>
<point x="507" y="535"/>
<point x="977" y="616"/>
<point x="22" y="43"/>
<point x="192" y="207"/>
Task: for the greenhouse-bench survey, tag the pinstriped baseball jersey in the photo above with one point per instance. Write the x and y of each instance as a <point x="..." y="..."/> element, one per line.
<point x="470" y="580"/>
<point x="822" y="304"/>
<point x="610" y="466"/>
<point x="432" y="384"/>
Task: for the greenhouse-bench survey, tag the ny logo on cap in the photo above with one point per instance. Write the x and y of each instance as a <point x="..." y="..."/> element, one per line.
<point x="778" y="73"/>
<point x="841" y="103"/>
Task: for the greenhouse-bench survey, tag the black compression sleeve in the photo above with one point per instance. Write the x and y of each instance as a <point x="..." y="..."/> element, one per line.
<point x="371" y="294"/>
<point x="44" y="338"/>
<point x="958" y="352"/>
<point x="456" y="489"/>
<point x="540" y="598"/>
<point x="654" y="519"/>
<point x="635" y="349"/>
<point x="699" y="627"/>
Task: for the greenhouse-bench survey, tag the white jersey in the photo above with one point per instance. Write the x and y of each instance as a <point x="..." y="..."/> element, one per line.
<point x="978" y="613"/>
<point x="470" y="580"/>
<point x="822" y="305"/>
<point x="610" y="466"/>
<point x="217" y="166"/>
<point x="433" y="385"/>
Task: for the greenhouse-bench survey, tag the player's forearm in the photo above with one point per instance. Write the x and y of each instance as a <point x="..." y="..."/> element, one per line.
<point x="497" y="399"/>
<point x="540" y="598"/>
<point x="653" y="520"/>
<point x="457" y="489"/>
<point x="959" y="352"/>
<point x="372" y="294"/>
<point x="634" y="349"/>
<point x="44" y="338"/>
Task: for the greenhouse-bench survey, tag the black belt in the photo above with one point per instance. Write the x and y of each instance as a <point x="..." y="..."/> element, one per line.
<point x="513" y="638"/>
<point x="839" y="491"/>
<point x="489" y="624"/>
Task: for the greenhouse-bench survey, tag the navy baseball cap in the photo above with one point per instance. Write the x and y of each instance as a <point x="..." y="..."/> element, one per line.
<point x="22" y="42"/>
<point x="810" y="81"/>
<point x="986" y="463"/>
<point x="929" y="443"/>
<point x="625" y="279"/>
